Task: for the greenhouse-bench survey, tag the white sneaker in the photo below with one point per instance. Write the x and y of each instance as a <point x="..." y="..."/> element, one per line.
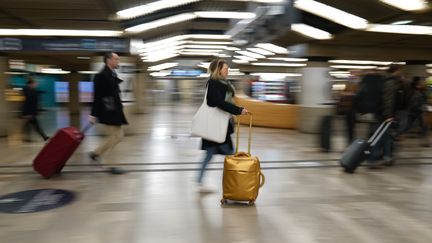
<point x="204" y="189"/>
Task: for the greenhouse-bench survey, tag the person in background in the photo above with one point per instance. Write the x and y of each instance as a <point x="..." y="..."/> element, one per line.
<point x="30" y="110"/>
<point x="220" y="94"/>
<point x="392" y="99"/>
<point x="107" y="108"/>
<point x="417" y="99"/>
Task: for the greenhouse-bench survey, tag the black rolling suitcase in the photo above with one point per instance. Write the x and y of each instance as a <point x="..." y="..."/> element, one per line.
<point x="357" y="152"/>
<point x="325" y="133"/>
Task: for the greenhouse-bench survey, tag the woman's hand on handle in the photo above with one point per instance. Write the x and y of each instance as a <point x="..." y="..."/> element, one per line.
<point x="244" y="111"/>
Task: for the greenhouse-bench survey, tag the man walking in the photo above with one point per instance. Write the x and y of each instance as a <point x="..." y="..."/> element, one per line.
<point x="30" y="110"/>
<point x="107" y="108"/>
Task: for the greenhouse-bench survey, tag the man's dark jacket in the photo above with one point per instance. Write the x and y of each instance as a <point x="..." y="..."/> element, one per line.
<point x="107" y="106"/>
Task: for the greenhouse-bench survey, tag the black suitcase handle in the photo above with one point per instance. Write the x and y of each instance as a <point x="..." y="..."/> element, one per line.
<point x="373" y="140"/>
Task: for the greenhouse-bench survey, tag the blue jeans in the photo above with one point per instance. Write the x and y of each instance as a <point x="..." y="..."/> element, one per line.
<point x="384" y="147"/>
<point x="225" y="149"/>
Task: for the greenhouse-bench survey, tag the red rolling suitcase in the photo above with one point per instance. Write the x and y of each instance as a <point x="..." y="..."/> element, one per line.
<point x="54" y="155"/>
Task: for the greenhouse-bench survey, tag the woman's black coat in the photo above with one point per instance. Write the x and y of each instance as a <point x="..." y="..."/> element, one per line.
<point x="216" y="98"/>
<point x="107" y="106"/>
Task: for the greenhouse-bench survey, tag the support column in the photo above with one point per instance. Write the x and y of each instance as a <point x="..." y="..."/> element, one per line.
<point x="142" y="91"/>
<point x="315" y="93"/>
<point x="4" y="109"/>
<point x="74" y="102"/>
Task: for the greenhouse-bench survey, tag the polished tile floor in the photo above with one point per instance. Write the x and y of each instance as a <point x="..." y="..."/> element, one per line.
<point x="306" y="198"/>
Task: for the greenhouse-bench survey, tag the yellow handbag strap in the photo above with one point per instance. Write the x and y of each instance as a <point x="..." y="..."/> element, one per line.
<point x="250" y="133"/>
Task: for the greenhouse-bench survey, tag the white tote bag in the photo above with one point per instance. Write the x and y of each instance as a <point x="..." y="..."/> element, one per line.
<point x="210" y="123"/>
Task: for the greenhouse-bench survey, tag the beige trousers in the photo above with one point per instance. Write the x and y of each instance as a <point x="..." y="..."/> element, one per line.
<point x="115" y="135"/>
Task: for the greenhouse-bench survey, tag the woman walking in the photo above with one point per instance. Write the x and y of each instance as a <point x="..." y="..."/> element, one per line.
<point x="220" y="93"/>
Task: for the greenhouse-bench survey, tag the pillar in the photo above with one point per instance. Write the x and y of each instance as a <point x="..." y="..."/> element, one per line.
<point x="4" y="109"/>
<point x="74" y="102"/>
<point x="314" y="97"/>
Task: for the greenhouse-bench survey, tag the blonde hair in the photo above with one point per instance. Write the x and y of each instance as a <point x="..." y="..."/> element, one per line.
<point x="215" y="67"/>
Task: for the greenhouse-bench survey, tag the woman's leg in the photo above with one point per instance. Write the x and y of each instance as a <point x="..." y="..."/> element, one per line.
<point x="209" y="154"/>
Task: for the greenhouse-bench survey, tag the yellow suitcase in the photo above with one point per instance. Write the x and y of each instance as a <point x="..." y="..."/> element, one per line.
<point x="242" y="176"/>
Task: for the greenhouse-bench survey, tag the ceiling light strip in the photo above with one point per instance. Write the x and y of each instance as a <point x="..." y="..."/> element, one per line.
<point x="59" y="32"/>
<point x="407" y="5"/>
<point x="310" y="31"/>
<point x="331" y="13"/>
<point x="152" y="7"/>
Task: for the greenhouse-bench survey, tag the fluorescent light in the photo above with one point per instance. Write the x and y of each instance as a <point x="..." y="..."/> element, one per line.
<point x="240" y="61"/>
<point x="401" y="29"/>
<point x="277" y="75"/>
<point x="222" y="55"/>
<point x="179" y="40"/>
<point x="411" y="5"/>
<point x="161" y="52"/>
<point x="209" y="36"/>
<point x="250" y="59"/>
<point x="205" y="46"/>
<point x="225" y="15"/>
<point x="331" y="13"/>
<point x="60" y="32"/>
<point x="338" y="87"/>
<point x="204" y="65"/>
<point x="339" y="72"/>
<point x="160" y="58"/>
<point x="276" y="64"/>
<point x="201" y="50"/>
<point x="15" y="73"/>
<point x="361" y="62"/>
<point x="211" y="42"/>
<point x="261" y="51"/>
<point x="429" y="65"/>
<point x="161" y="22"/>
<point x="185" y="17"/>
<point x="198" y="53"/>
<point x="83" y="58"/>
<point x="310" y="31"/>
<point x="162" y="73"/>
<point x="151" y="7"/>
<point x="250" y="54"/>
<point x="261" y="1"/>
<point x="402" y="22"/>
<point x="273" y="48"/>
<point x="353" y="67"/>
<point x="163" y="66"/>
<point x="235" y="73"/>
<point x="231" y="48"/>
<point x="429" y="71"/>
<point x="87" y="72"/>
<point x="288" y="59"/>
<point x="170" y="45"/>
<point x="54" y="71"/>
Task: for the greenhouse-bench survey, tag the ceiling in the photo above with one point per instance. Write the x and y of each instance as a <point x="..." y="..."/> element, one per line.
<point x="346" y="43"/>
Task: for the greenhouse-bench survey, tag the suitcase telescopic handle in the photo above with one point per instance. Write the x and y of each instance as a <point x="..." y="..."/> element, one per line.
<point x="86" y="128"/>
<point x="379" y="133"/>
<point x="238" y="133"/>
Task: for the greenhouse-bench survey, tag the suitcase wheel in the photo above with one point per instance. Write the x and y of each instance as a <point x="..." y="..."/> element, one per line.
<point x="251" y="203"/>
<point x="223" y="201"/>
<point x="348" y="171"/>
